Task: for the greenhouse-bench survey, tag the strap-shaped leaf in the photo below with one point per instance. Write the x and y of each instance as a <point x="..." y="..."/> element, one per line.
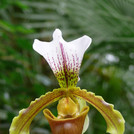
<point x="114" y="119"/>
<point x="21" y="123"/>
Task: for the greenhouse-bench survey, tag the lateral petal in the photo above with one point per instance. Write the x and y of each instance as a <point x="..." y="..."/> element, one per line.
<point x="21" y="123"/>
<point x="115" y="121"/>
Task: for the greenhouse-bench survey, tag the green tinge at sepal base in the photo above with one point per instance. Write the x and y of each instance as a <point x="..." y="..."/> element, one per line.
<point x="115" y="121"/>
<point x="21" y="123"/>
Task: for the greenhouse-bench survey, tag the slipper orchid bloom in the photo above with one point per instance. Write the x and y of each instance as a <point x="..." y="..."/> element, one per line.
<point x="65" y="59"/>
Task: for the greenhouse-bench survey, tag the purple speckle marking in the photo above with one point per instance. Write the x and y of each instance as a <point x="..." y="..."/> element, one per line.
<point x="64" y="62"/>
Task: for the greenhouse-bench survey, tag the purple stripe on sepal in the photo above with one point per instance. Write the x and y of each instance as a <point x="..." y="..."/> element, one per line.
<point x="63" y="57"/>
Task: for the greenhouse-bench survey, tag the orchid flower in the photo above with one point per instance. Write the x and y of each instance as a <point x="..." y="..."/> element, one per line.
<point x="65" y="60"/>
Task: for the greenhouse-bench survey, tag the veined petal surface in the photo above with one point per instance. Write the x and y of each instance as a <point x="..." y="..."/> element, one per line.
<point x="63" y="57"/>
<point x="115" y="121"/>
<point x="21" y="123"/>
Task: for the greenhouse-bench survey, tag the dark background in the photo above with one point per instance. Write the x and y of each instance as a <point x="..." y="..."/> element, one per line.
<point x="107" y="68"/>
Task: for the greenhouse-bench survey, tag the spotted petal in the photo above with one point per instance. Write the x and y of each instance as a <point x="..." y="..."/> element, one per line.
<point x="63" y="57"/>
<point x="114" y="119"/>
<point x="21" y="123"/>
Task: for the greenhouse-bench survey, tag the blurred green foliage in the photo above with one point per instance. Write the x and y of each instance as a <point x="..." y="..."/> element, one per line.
<point x="107" y="68"/>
